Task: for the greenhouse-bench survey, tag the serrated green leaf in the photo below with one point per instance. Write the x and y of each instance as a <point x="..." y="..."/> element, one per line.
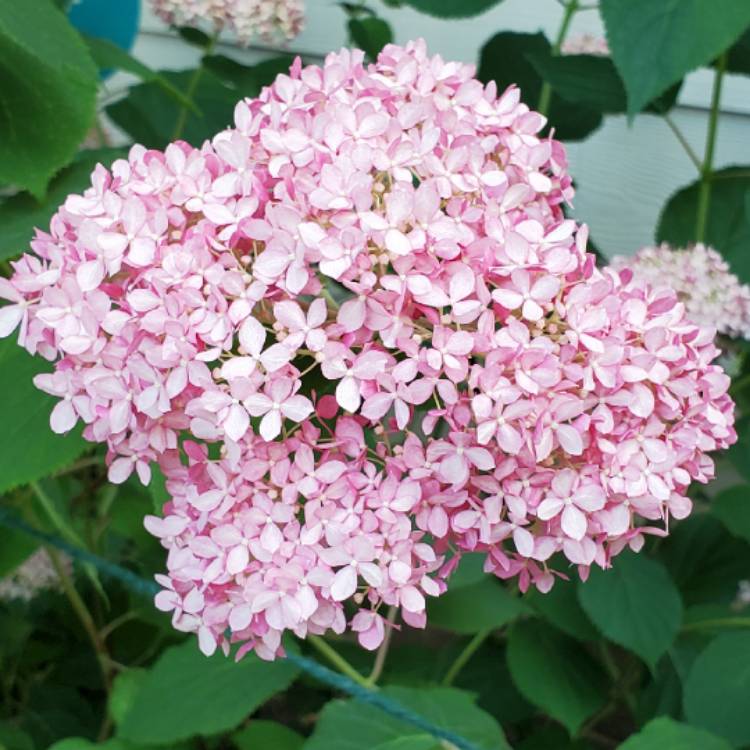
<point x="666" y="734"/>
<point x="469" y="609"/>
<point x="22" y="213"/>
<point x="29" y="449"/>
<point x="732" y="506"/>
<point x="452" y="8"/>
<point x="717" y="690"/>
<point x="555" y="673"/>
<point x="350" y="725"/>
<point x="48" y="94"/>
<point x="654" y="43"/>
<point x="186" y="694"/>
<point x="635" y="604"/>
<point x="260" y="734"/>
<point x="506" y="59"/>
<point x="728" y="225"/>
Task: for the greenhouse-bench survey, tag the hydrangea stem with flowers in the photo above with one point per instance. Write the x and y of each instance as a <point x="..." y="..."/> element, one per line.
<point x="360" y="338"/>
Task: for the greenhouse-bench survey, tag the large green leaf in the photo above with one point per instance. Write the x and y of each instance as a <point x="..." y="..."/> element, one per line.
<point x="259" y="734"/>
<point x="21" y="214"/>
<point x="732" y="506"/>
<point x="247" y="80"/>
<point x="186" y="694"/>
<point x="654" y="43"/>
<point x="150" y="119"/>
<point x="469" y="609"/>
<point x="635" y="604"/>
<point x="728" y="226"/>
<point x="452" y="8"/>
<point x="560" y="607"/>
<point x="349" y="725"/>
<point x="506" y="59"/>
<point x="717" y="691"/>
<point x="79" y="743"/>
<point x="705" y="560"/>
<point x="48" y="93"/>
<point x="666" y="734"/>
<point x="29" y="449"/>
<point x="555" y="673"/>
<point x="738" y="59"/>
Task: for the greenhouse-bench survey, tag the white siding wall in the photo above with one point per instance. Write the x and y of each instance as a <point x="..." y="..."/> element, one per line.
<point x="624" y="173"/>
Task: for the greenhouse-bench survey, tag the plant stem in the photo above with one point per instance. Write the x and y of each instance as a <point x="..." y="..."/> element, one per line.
<point x="719" y="622"/>
<point x="79" y="607"/>
<point x="683" y="141"/>
<point x="704" y="196"/>
<point x="465" y="655"/>
<point x="48" y="506"/>
<point x="338" y="661"/>
<point x="195" y="79"/>
<point x="377" y="668"/>
<point x="546" y="93"/>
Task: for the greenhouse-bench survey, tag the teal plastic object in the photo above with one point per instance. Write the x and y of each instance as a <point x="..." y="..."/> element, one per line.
<point x="115" y="20"/>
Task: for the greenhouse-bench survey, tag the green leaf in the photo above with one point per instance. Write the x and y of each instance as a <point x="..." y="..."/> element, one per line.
<point x="29" y="449"/>
<point x="452" y="8"/>
<point x="555" y="673"/>
<point x="108" y="56"/>
<point x="48" y="94"/>
<point x="15" y="549"/>
<point x="732" y="506"/>
<point x="717" y="691"/>
<point x="260" y="734"/>
<point x="370" y="34"/>
<point x="187" y="694"/>
<point x="738" y="59"/>
<point x="560" y="608"/>
<point x="12" y="738"/>
<point x="654" y="43"/>
<point x="666" y="734"/>
<point x="157" y="489"/>
<point x="21" y="214"/>
<point x="469" y="609"/>
<point x="593" y="81"/>
<point x="194" y="36"/>
<point x="79" y="743"/>
<point x="728" y="226"/>
<point x="635" y="604"/>
<point x="247" y="80"/>
<point x="350" y="725"/>
<point x="506" y="59"/>
<point x="705" y="560"/>
<point x="150" y="119"/>
<point x="124" y="690"/>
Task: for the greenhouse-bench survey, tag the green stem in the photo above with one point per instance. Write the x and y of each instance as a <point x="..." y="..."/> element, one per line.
<point x="377" y="668"/>
<point x="465" y="655"/>
<point x="704" y="195"/>
<point x="719" y="622"/>
<point x="546" y="93"/>
<point x="195" y="79"/>
<point x="48" y="506"/>
<point x="683" y="141"/>
<point x="338" y="661"/>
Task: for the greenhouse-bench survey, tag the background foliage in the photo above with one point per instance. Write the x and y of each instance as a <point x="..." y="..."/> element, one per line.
<point x="654" y="654"/>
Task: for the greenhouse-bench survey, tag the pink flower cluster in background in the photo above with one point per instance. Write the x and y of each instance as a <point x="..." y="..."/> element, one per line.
<point x="250" y="20"/>
<point x="713" y="296"/>
<point x="585" y="44"/>
<point x="360" y="337"/>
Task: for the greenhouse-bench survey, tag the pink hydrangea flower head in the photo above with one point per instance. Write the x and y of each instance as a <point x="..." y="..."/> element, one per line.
<point x="267" y="20"/>
<point x="713" y="296"/>
<point x="360" y="337"/>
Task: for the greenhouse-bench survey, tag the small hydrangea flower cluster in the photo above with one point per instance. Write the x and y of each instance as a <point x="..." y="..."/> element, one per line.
<point x="713" y="296"/>
<point x="34" y="575"/>
<point x="360" y="338"/>
<point x="249" y="19"/>
<point x="585" y="44"/>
